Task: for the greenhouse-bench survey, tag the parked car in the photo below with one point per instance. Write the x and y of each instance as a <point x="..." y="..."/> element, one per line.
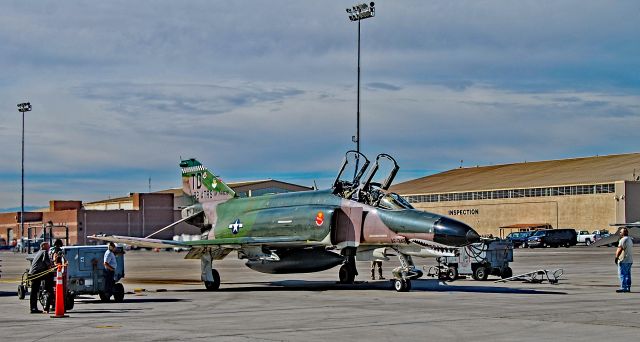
<point x="588" y="238"/>
<point x="553" y="238"/>
<point x="519" y="239"/>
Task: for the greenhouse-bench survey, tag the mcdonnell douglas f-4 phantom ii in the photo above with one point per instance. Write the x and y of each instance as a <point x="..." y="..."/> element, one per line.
<point x="311" y="231"/>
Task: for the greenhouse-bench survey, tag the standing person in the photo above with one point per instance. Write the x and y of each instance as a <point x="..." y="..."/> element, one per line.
<point x="624" y="260"/>
<point x="110" y="265"/>
<point x="56" y="254"/>
<point x="39" y="266"/>
<point x="377" y="263"/>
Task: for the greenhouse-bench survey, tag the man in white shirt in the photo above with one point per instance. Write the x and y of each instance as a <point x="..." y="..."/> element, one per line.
<point x="624" y="260"/>
<point x="110" y="265"/>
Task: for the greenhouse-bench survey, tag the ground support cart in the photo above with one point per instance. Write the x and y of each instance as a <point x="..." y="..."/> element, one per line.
<point x="479" y="260"/>
<point x="84" y="275"/>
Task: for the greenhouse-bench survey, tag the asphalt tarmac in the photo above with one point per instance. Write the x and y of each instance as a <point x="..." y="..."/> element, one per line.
<point x="252" y="306"/>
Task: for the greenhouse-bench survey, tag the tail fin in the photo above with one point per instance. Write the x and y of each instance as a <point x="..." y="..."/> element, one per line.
<point x="204" y="186"/>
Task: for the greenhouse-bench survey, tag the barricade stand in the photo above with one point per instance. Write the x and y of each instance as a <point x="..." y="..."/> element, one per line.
<point x="59" y="294"/>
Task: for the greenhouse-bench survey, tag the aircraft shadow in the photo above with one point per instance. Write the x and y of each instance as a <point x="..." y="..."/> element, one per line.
<point x="425" y="285"/>
<point x="8" y="294"/>
<point x="101" y="311"/>
<point x="133" y="301"/>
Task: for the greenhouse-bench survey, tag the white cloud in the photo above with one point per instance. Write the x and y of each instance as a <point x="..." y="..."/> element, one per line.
<point x="256" y="89"/>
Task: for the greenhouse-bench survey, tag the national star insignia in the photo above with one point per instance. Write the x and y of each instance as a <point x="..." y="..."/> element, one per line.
<point x="235" y="226"/>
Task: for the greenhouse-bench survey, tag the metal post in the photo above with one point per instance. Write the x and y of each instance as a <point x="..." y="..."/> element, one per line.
<point x="22" y="185"/>
<point x="22" y="108"/>
<point x="358" y="107"/>
<point x="357" y="13"/>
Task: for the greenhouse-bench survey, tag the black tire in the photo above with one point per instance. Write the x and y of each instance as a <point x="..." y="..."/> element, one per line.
<point x="22" y="291"/>
<point x="215" y="284"/>
<point x="346" y="274"/>
<point x="587" y="242"/>
<point x="69" y="302"/>
<point x="507" y="272"/>
<point x="481" y="273"/>
<point x="452" y="273"/>
<point x="118" y="293"/>
<point x="104" y="298"/>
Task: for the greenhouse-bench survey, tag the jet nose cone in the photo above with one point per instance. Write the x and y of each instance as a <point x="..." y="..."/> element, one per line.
<point x="472" y="236"/>
<point x="454" y="233"/>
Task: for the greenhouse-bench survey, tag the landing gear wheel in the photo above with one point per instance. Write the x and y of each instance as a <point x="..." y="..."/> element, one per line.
<point x="346" y="274"/>
<point x="402" y="285"/>
<point x="118" y="293"/>
<point x="507" y="272"/>
<point x="22" y="291"/>
<point x="481" y="273"/>
<point x="215" y="284"/>
<point x="452" y="273"/>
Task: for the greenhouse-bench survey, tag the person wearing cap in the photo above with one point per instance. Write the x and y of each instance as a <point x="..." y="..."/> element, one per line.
<point x="110" y="265"/>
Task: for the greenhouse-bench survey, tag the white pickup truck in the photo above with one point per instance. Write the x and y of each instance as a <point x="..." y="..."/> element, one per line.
<point x="587" y="238"/>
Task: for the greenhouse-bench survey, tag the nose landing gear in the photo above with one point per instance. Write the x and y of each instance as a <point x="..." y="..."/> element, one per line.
<point x="404" y="273"/>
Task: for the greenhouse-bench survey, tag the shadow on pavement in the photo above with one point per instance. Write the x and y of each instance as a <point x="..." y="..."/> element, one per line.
<point x="424" y="285"/>
<point x="8" y="294"/>
<point x="133" y="301"/>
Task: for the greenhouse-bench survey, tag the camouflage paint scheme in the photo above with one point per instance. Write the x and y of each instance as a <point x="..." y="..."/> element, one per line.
<point x="303" y="226"/>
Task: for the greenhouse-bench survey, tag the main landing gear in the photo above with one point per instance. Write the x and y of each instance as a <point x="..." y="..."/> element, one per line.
<point x="209" y="276"/>
<point x="348" y="271"/>
<point x="404" y="273"/>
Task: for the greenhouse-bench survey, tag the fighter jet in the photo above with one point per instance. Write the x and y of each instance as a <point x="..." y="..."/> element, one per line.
<point x="311" y="231"/>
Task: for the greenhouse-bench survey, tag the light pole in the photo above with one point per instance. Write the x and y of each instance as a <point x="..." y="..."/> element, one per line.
<point x="358" y="13"/>
<point x="22" y="108"/>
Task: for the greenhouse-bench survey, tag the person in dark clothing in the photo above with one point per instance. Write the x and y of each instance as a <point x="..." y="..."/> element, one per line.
<point x="376" y="264"/>
<point x="39" y="266"/>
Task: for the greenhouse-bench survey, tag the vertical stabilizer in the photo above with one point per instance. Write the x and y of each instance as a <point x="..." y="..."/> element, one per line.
<point x="203" y="185"/>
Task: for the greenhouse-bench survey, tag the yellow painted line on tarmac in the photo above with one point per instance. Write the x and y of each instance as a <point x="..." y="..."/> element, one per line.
<point x="10" y="281"/>
<point x="107" y="326"/>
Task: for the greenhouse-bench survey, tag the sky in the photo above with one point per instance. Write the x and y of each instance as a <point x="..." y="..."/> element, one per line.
<point x="122" y="90"/>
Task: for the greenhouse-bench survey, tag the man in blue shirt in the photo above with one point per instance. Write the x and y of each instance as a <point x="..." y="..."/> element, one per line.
<point x="110" y="265"/>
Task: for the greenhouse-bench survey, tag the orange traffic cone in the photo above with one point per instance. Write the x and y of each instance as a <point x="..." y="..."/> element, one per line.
<point x="59" y="295"/>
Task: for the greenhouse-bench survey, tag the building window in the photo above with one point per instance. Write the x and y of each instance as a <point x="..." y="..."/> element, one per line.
<point x="573" y="190"/>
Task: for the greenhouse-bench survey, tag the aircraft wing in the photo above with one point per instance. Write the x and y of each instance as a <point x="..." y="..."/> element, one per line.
<point x="141" y="242"/>
<point x="613" y="238"/>
<point x="157" y="243"/>
<point x="634" y="233"/>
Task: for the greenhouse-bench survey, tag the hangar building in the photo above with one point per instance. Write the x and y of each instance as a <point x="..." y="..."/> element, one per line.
<point x="582" y="193"/>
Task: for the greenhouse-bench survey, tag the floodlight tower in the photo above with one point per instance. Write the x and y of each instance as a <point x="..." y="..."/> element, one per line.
<point x="358" y="13"/>
<point x="22" y="108"/>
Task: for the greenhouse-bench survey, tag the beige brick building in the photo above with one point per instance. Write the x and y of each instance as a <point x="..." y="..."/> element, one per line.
<point x="582" y="193"/>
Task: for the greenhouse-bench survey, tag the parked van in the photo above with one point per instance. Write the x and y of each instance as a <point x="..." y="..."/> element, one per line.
<point x="553" y="238"/>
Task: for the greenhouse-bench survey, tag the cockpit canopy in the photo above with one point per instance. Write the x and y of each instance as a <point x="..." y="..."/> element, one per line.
<point x="368" y="191"/>
<point x="393" y="201"/>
